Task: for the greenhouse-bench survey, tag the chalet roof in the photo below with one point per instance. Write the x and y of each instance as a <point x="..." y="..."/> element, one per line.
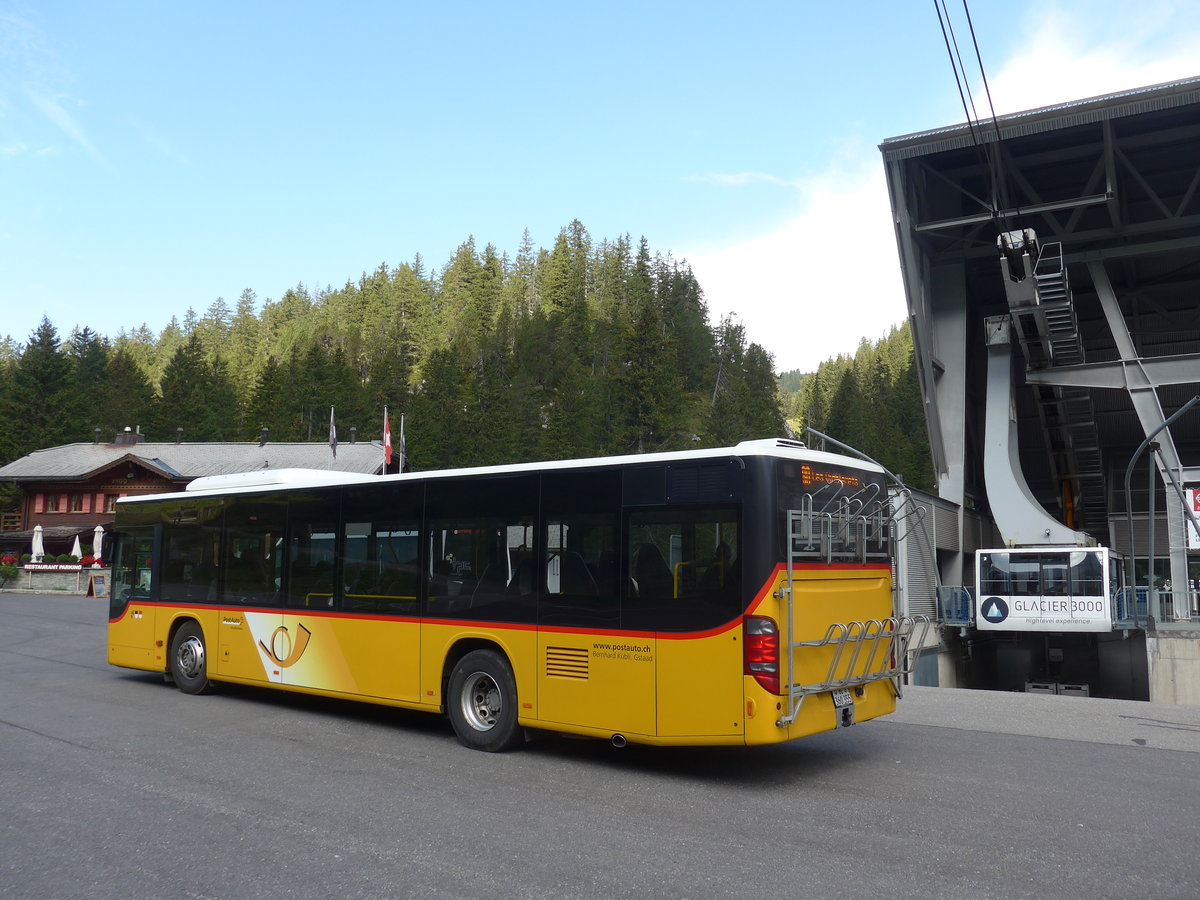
<point x="185" y="461"/>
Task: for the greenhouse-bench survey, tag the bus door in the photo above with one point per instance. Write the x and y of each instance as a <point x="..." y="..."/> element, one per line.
<point x="131" y="637"/>
<point x="305" y="650"/>
<point x="379" y="631"/>
<point x="352" y="622"/>
<point x="685" y="586"/>
<point x="250" y="633"/>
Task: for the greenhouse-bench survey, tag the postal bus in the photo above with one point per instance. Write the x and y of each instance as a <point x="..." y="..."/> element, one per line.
<point x="730" y="596"/>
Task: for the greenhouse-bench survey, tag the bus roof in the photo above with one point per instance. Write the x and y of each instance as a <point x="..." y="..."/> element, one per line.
<point x="246" y="482"/>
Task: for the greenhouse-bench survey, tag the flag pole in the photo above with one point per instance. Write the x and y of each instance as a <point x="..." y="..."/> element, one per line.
<point x="332" y="439"/>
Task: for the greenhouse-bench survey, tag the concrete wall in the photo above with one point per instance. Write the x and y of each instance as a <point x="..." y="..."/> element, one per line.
<point x="1173" y="658"/>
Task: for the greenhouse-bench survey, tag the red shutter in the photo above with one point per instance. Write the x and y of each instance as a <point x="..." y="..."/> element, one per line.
<point x="39" y="503"/>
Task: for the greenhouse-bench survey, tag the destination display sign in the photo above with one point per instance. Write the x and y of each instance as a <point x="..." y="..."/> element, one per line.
<point x="811" y="476"/>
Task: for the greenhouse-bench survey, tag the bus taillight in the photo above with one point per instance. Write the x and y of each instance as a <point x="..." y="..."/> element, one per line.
<point x="762" y="651"/>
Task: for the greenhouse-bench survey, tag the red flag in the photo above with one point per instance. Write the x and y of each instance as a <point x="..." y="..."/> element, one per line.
<point x="387" y="439"/>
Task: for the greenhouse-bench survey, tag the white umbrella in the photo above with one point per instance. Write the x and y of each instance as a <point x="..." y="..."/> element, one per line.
<point x="38" y="551"/>
<point x="97" y="542"/>
<point x="76" y="550"/>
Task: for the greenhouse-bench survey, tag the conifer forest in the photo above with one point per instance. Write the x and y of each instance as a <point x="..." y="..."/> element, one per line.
<point x="583" y="349"/>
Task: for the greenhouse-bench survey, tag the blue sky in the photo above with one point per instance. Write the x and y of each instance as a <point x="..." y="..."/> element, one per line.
<point x="155" y="156"/>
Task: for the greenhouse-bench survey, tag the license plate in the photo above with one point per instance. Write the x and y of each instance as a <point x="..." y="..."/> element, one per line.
<point x="841" y="697"/>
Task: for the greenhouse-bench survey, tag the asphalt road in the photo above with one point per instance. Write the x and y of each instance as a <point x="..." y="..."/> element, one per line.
<point x="113" y="785"/>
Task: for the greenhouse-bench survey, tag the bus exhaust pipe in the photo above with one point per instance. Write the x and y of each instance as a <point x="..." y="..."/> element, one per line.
<point x="618" y="741"/>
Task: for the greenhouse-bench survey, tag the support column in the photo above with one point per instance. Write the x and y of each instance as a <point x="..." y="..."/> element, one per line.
<point x="1144" y="397"/>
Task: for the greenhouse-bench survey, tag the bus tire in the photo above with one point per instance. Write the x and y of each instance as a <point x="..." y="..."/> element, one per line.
<point x="482" y="702"/>
<point x="188" y="660"/>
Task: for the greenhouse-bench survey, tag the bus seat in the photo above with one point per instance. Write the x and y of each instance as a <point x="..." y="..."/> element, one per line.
<point x="576" y="578"/>
<point x="717" y="574"/>
<point x="524" y="580"/>
<point x="491" y="584"/>
<point x="651" y="573"/>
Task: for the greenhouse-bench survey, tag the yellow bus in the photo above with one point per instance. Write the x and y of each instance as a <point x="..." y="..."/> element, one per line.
<point x="729" y="596"/>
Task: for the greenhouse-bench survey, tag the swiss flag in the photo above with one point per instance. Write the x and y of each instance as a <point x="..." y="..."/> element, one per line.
<point x="387" y="439"/>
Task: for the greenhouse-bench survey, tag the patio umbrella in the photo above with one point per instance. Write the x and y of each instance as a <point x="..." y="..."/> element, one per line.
<point x="97" y="541"/>
<point x="76" y="550"/>
<point x="38" y="550"/>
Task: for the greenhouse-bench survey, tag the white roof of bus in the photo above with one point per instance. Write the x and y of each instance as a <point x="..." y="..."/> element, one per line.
<point x="246" y="482"/>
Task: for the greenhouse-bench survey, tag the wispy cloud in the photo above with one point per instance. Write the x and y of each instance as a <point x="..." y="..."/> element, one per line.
<point x="53" y="110"/>
<point x="155" y="139"/>
<point x="31" y="69"/>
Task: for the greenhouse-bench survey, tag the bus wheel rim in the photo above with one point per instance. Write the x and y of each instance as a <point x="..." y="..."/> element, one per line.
<point x="190" y="657"/>
<point x="482" y="701"/>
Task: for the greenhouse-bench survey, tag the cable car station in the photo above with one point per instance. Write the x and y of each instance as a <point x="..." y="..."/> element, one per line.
<point x="1051" y="264"/>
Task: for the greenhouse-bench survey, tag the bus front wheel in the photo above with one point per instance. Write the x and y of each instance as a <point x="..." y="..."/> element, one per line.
<point x="482" y="702"/>
<point x="188" y="660"/>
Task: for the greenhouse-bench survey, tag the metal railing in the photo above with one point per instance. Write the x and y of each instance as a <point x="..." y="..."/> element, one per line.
<point x="956" y="606"/>
<point x="1177" y="606"/>
<point x="886" y="642"/>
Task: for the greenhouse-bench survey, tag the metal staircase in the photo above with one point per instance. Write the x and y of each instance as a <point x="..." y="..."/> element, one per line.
<point x="1043" y="313"/>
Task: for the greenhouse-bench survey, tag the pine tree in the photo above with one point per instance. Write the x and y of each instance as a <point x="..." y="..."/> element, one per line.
<point x="129" y="398"/>
<point x="243" y="350"/>
<point x="646" y="384"/>
<point x="88" y="353"/>
<point x="42" y="387"/>
<point x="196" y="396"/>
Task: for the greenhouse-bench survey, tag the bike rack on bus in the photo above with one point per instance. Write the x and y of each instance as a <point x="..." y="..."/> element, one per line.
<point x="857" y="530"/>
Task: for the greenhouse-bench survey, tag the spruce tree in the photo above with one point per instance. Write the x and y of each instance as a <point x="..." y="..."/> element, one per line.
<point x="88" y="353"/>
<point x="43" y="389"/>
<point x="129" y="398"/>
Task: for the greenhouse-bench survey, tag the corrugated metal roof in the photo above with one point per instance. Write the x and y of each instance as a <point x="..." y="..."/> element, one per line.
<point x="1167" y="95"/>
<point x="184" y="461"/>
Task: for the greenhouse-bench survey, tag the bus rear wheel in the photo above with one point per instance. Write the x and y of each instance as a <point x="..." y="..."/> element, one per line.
<point x="482" y="702"/>
<point x="188" y="660"/>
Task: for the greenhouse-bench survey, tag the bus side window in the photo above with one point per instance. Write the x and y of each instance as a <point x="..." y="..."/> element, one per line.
<point x="380" y="548"/>
<point x="683" y="568"/>
<point x="252" y="558"/>
<point x="580" y="551"/>
<point x="191" y="538"/>
<point x="476" y="529"/>
<point x="312" y="549"/>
